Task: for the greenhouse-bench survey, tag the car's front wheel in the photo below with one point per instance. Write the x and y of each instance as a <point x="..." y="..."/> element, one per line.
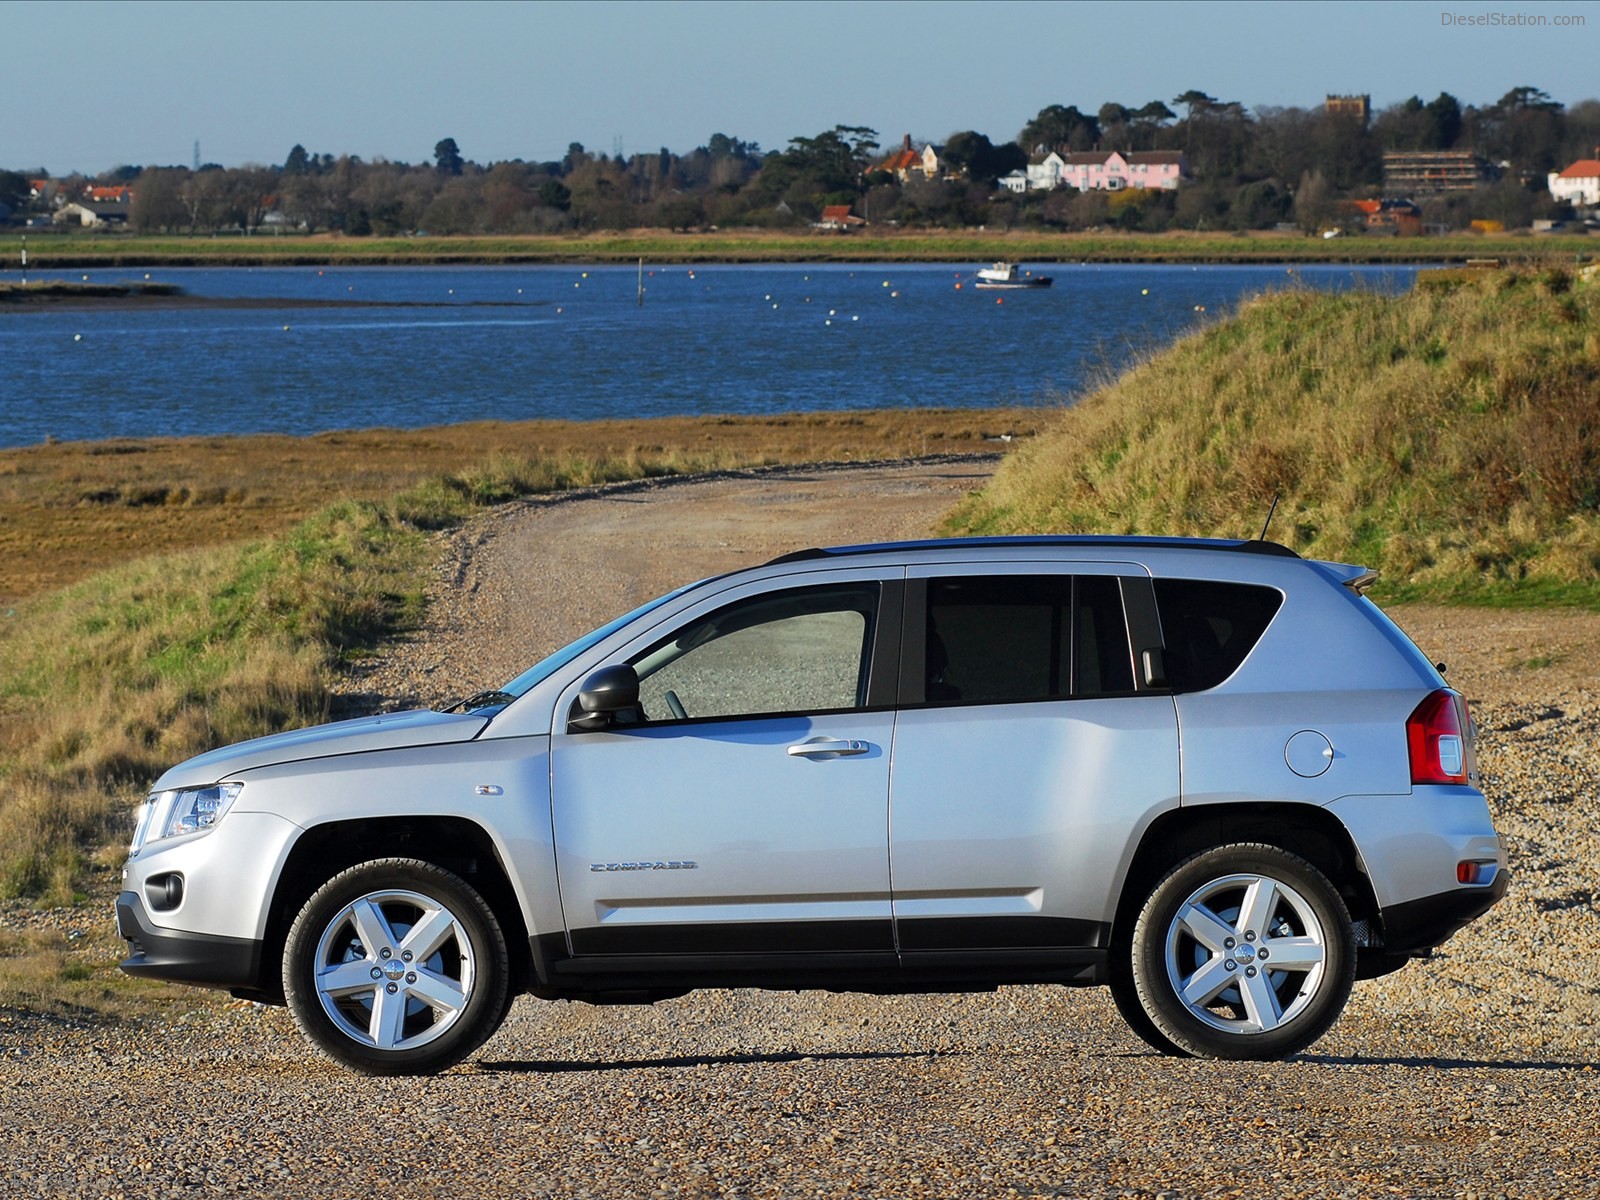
<point x="1244" y="951"/>
<point x="396" y="967"/>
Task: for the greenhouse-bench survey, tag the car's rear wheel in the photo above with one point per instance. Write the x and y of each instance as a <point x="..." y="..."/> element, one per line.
<point x="396" y="967"/>
<point x="1243" y="952"/>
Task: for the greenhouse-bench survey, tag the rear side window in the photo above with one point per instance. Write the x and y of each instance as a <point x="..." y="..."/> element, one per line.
<point x="1015" y="638"/>
<point x="1210" y="627"/>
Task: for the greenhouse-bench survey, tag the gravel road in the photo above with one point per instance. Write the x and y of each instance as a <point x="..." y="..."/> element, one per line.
<point x="1470" y="1075"/>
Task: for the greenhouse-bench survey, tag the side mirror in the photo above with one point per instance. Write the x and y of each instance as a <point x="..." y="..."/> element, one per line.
<point x="1154" y="663"/>
<point x="605" y="696"/>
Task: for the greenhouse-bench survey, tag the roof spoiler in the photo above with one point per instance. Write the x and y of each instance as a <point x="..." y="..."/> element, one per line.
<point x="1357" y="579"/>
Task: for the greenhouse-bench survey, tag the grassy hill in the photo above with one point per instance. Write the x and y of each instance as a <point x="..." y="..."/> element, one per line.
<point x="1449" y="437"/>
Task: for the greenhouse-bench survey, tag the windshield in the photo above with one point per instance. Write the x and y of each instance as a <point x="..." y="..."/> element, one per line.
<point x="549" y="665"/>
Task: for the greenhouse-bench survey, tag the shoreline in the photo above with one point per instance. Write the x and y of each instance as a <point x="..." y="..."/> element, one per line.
<point x="102" y="251"/>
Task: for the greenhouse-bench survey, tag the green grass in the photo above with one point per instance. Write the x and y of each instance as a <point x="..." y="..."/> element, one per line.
<point x="1449" y="437"/>
<point x="91" y="250"/>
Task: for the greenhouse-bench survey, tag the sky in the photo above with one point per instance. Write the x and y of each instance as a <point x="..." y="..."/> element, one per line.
<point x="95" y="84"/>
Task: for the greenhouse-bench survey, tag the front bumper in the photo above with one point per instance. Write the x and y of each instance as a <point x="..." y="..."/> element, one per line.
<point x="205" y="959"/>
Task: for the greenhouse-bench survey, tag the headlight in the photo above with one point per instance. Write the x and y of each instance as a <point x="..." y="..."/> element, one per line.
<point x="187" y="810"/>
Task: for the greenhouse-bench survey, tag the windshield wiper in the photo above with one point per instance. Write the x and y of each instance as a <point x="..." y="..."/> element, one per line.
<point x="481" y="700"/>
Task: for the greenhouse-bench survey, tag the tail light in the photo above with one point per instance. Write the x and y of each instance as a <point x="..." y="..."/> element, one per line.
<point x="1436" y="738"/>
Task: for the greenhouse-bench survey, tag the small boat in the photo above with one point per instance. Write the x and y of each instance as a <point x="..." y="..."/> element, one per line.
<point x="1006" y="275"/>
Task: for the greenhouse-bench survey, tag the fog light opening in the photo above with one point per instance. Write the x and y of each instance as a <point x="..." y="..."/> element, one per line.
<point x="1473" y="871"/>
<point x="164" y="892"/>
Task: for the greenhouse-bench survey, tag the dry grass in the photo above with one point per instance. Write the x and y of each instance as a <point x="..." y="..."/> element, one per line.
<point x="69" y="510"/>
<point x="1450" y="437"/>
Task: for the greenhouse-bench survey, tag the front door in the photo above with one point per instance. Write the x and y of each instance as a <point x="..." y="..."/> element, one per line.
<point x="744" y="810"/>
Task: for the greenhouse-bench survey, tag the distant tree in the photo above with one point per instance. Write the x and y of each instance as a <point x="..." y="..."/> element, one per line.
<point x="447" y="157"/>
<point x="1581" y="138"/>
<point x="1314" y="203"/>
<point x="1444" y="112"/>
<point x="298" y="162"/>
<point x="1524" y="127"/>
<point x="157" y="206"/>
<point x="555" y="194"/>
<point x="980" y="158"/>
<point x="1058" y="127"/>
<point x="14" y="189"/>
<point x="1506" y="201"/>
<point x="1155" y="113"/>
<point x="1195" y="101"/>
<point x="969" y="151"/>
<point x="680" y="212"/>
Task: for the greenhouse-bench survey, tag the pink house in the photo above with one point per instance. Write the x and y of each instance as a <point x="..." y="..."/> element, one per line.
<point x="1113" y="170"/>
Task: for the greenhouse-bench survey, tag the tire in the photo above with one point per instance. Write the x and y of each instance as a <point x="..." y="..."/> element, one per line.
<point x="1125" y="994"/>
<point x="396" y="967"/>
<point x="1243" y="952"/>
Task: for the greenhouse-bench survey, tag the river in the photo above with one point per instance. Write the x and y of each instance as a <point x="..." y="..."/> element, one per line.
<point x="307" y="349"/>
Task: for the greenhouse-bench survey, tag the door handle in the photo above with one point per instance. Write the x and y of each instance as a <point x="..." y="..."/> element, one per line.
<point x="826" y="747"/>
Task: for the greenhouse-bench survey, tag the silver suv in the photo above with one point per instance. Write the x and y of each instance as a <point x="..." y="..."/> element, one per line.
<point x="1209" y="774"/>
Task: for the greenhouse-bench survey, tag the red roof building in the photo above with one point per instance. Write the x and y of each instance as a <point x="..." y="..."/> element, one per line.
<point x="1579" y="183"/>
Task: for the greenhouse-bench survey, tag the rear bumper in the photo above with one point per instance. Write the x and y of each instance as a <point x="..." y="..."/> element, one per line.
<point x="204" y="959"/>
<point x="1419" y="925"/>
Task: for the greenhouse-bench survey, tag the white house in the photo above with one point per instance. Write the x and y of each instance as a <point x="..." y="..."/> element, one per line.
<point x="1042" y="175"/>
<point x="1578" y="184"/>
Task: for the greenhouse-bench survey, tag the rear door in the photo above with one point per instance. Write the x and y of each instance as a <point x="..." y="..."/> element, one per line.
<point x="1028" y="756"/>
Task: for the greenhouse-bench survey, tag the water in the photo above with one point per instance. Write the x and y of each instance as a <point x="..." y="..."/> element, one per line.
<point x="346" y="348"/>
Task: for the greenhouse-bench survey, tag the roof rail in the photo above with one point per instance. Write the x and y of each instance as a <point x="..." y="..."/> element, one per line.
<point x="1109" y="541"/>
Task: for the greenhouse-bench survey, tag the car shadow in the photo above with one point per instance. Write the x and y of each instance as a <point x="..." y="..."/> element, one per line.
<point x="520" y="1066"/>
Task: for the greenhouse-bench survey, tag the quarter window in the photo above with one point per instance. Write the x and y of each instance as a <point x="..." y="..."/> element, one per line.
<point x="806" y="650"/>
<point x="1209" y="627"/>
<point x="1024" y="637"/>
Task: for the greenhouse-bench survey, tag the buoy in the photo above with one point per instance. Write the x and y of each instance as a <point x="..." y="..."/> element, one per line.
<point x="958" y="287"/>
<point x="999" y="299"/>
<point x="885" y="283"/>
<point x="768" y="296"/>
<point x="828" y="322"/>
<point x="1144" y="291"/>
<point x="77" y="337"/>
<point x="774" y="304"/>
<point x="286" y="329"/>
<point x="586" y="274"/>
<point x="894" y="295"/>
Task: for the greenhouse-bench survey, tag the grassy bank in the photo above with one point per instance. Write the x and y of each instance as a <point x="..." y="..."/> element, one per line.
<point x="89" y="250"/>
<point x="1449" y="437"/>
